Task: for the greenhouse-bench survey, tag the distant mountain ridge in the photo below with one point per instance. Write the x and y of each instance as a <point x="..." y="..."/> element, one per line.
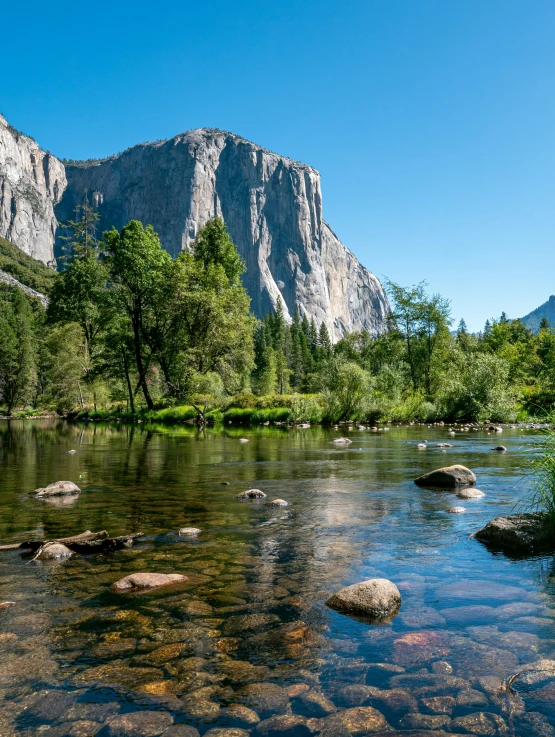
<point x="532" y="319"/>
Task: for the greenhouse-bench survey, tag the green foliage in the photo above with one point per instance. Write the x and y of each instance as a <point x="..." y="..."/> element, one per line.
<point x="543" y="496"/>
<point x="348" y="391"/>
<point x="27" y="270"/>
<point x="17" y="350"/>
<point x="477" y="387"/>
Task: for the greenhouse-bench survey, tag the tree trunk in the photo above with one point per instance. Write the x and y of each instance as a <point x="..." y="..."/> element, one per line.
<point x="128" y="381"/>
<point x="140" y="365"/>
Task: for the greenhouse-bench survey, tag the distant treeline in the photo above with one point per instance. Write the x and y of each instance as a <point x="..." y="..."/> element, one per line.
<point x="128" y="329"/>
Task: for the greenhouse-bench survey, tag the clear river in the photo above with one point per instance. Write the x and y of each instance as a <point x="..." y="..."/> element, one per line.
<point x="247" y="646"/>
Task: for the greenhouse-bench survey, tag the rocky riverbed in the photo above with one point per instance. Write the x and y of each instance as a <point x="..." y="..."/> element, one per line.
<point x="246" y="645"/>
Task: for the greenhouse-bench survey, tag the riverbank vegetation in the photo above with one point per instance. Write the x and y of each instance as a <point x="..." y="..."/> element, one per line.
<point x="131" y="332"/>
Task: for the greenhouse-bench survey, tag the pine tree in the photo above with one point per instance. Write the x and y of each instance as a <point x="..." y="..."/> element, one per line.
<point x="324" y="342"/>
<point x="81" y="240"/>
<point x="544" y="323"/>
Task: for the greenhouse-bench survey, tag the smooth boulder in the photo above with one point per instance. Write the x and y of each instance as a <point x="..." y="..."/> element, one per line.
<point x="53" y="551"/>
<point x="342" y="441"/>
<point x="58" y="488"/>
<point x="448" y="477"/>
<point x="470" y="493"/>
<point x="146" y="581"/>
<point x="189" y="531"/>
<point x="456" y="510"/>
<point x="251" y="494"/>
<point x="277" y="503"/>
<point x="376" y="599"/>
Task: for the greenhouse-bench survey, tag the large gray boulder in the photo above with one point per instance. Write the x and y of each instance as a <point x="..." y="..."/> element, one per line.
<point x="58" y="488"/>
<point x="519" y="533"/>
<point x="448" y="477"/>
<point x="376" y="599"/>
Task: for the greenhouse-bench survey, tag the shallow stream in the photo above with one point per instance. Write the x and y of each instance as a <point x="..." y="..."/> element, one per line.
<point x="247" y="643"/>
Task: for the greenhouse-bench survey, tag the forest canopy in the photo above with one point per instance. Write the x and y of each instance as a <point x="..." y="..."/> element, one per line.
<point x="129" y="329"/>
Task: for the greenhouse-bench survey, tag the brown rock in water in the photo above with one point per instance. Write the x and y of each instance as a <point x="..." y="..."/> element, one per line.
<point x="226" y="732"/>
<point x="58" y="488"/>
<point x="417" y="648"/>
<point x="139" y="724"/>
<point x="425" y="721"/>
<point x="146" y="581"/>
<point x="376" y="599"/>
<point x="251" y="494"/>
<point x="448" y="477"/>
<point x="181" y="730"/>
<point x="243" y="622"/>
<point x="440" y="704"/>
<point x="316" y="704"/>
<point x="396" y="700"/>
<point x="242" y="714"/>
<point x="481" y="723"/>
<point x="520" y="533"/>
<point x="361" y="720"/>
<point x="288" y="725"/>
<point x="265" y="698"/>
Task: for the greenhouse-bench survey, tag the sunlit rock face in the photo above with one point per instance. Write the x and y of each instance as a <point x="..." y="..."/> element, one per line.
<point x="272" y="207"/>
<point x="31" y="184"/>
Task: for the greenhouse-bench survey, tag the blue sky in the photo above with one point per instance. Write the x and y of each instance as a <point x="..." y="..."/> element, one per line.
<point x="431" y="122"/>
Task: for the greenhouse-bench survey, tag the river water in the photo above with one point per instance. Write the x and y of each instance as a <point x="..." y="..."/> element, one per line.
<point x="247" y="643"/>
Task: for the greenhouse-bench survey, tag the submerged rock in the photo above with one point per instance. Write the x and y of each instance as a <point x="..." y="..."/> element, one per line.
<point x="277" y="503"/>
<point x="360" y="720"/>
<point x="58" y="488"/>
<point x="456" y="510"/>
<point x="265" y="698"/>
<point x="189" y="531"/>
<point x="342" y="441"/>
<point x="519" y="532"/>
<point x="447" y="478"/>
<point x="288" y="725"/>
<point x="470" y="494"/>
<point x="376" y="598"/>
<point x="251" y="494"/>
<point x="481" y="722"/>
<point x="499" y="448"/>
<point x="139" y="724"/>
<point x="146" y="581"/>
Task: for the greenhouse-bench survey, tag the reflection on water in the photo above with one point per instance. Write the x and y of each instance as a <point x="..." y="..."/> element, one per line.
<point x="247" y="638"/>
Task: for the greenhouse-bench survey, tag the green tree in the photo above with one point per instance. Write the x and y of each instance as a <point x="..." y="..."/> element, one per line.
<point x="17" y="350"/>
<point x="348" y="390"/>
<point x="138" y="269"/>
<point x="81" y="240"/>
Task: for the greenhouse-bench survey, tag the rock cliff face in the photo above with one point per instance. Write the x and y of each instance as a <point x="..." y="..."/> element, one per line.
<point x="31" y="183"/>
<point x="271" y="205"/>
